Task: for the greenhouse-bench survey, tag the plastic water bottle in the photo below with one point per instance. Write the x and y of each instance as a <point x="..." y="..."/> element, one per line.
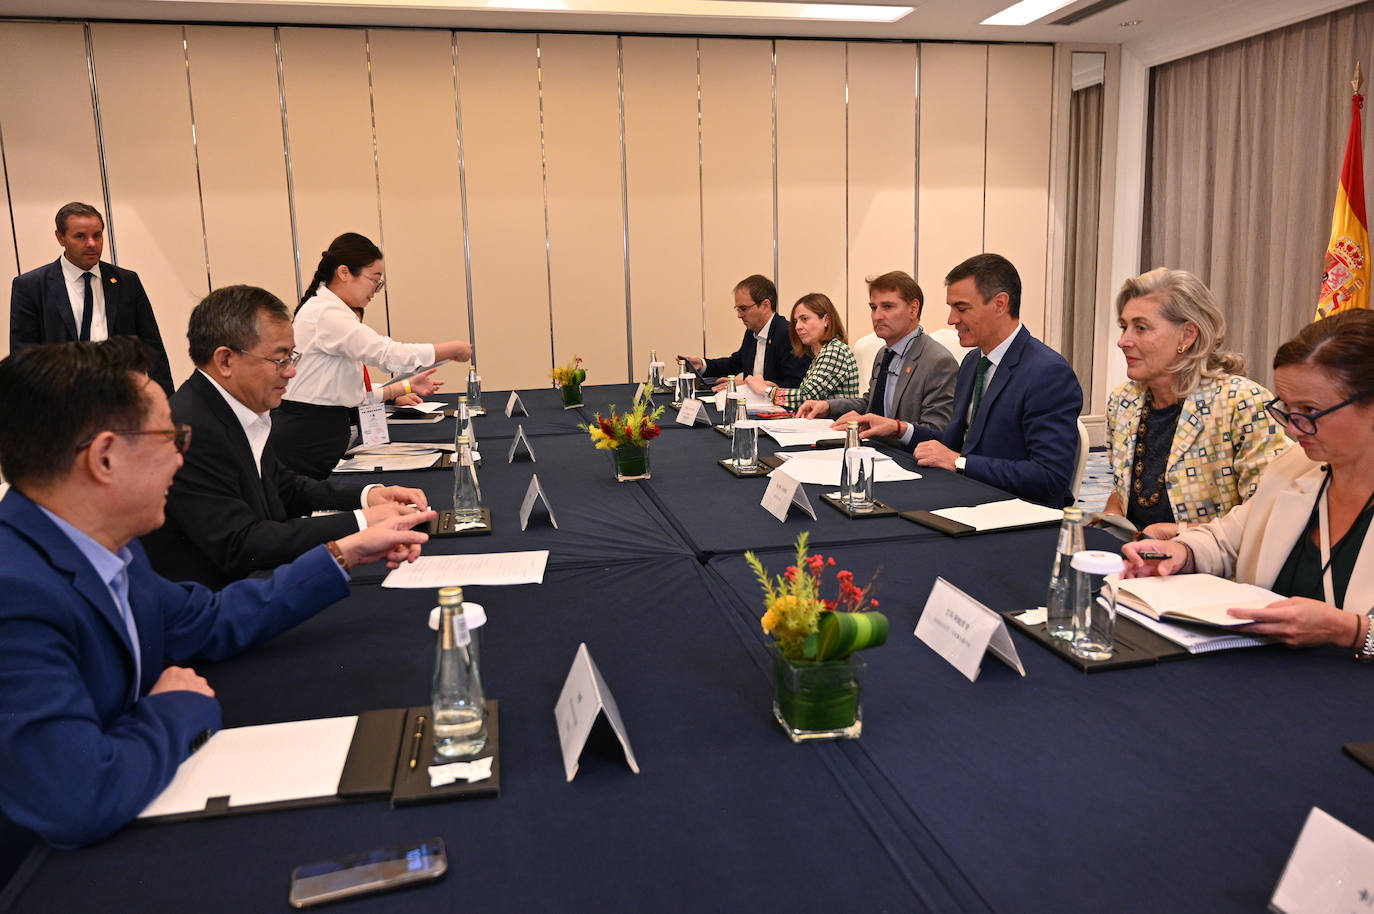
<point x="1060" y="601"/>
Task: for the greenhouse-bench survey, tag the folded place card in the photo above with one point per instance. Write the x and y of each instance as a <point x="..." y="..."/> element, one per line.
<point x="1331" y="869"/>
<point x="513" y="404"/>
<point x="690" y="412"/>
<point x="586" y="696"/>
<point x="519" y="441"/>
<point x="962" y="630"/>
<point x="535" y="493"/>
<point x="782" y="493"/>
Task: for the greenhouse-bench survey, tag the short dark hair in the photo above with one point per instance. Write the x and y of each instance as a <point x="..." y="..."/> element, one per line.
<point x="819" y="304"/>
<point x="76" y="209"/>
<point x="231" y="317"/>
<point x="1341" y="345"/>
<point x="90" y="386"/>
<point x="348" y="250"/>
<point x="759" y="288"/>
<point x="992" y="273"/>
<point x="900" y="282"/>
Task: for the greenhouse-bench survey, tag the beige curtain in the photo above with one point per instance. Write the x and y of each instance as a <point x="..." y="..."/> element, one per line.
<point x="1080" y="254"/>
<point x="1246" y="143"/>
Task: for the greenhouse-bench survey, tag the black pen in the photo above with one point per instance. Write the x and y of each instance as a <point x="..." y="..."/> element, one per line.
<point x="415" y="741"/>
<point x="829" y="443"/>
<point x="1154" y="556"/>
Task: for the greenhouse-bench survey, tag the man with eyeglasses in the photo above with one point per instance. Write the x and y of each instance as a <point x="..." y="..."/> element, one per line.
<point x="766" y="349"/>
<point x="233" y="508"/>
<point x="97" y="707"/>
<point x="80" y="297"/>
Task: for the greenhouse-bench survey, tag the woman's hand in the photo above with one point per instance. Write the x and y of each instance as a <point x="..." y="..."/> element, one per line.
<point x="1300" y="622"/>
<point x="424" y="384"/>
<point x="408" y="400"/>
<point x="1178" y="559"/>
<point x="1165" y="531"/>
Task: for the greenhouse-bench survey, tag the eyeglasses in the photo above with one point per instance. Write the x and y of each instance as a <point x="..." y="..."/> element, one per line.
<point x="179" y="434"/>
<point x="291" y="361"/>
<point x="740" y="309"/>
<point x="380" y="282"/>
<point x="1306" y="423"/>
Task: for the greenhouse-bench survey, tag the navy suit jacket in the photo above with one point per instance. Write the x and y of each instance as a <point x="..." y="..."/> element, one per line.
<point x="41" y="312"/>
<point x="84" y="748"/>
<point x="781" y="365"/>
<point x="1025" y="437"/>
<point x="223" y="520"/>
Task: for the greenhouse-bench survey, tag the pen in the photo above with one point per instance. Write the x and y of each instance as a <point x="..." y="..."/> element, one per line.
<point x="415" y="741"/>
<point x="829" y="443"/>
<point x="1154" y="556"/>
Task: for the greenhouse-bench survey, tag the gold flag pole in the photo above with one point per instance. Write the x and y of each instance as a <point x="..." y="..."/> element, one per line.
<point x="1358" y="81"/>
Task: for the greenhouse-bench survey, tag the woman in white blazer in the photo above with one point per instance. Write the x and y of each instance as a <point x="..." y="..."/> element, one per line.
<point x="1305" y="532"/>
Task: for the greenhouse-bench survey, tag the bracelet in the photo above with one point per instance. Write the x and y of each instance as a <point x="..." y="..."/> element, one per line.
<point x="407" y="386"/>
<point x="339" y="557"/>
<point x="1359" y="634"/>
<point x="1366" y="653"/>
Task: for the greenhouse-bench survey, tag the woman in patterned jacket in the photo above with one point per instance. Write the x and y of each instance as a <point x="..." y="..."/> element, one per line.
<point x="816" y="330"/>
<point x="1189" y="434"/>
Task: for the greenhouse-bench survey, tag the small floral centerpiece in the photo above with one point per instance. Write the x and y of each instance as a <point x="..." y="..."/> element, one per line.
<point x="627" y="437"/>
<point x="819" y="677"/>
<point x="569" y="377"/>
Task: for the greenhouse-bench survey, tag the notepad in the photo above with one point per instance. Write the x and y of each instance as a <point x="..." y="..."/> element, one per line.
<point x="1198" y="599"/>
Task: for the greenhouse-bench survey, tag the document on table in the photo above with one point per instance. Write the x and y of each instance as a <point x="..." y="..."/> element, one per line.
<point x="998" y="514"/>
<point x="399" y="449"/>
<point x="491" y="568"/>
<point x="425" y="406"/>
<point x="368" y="463"/>
<point x="271" y="763"/>
<point x="822" y="468"/>
<point x="800" y="432"/>
<point x="754" y="403"/>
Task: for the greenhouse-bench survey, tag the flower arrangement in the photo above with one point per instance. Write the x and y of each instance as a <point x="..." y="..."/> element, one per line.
<point x="633" y="429"/>
<point x="570" y="374"/>
<point x="795" y="613"/>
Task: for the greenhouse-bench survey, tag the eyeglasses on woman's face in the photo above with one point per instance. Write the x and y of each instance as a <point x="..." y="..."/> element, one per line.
<point x="1306" y="423"/>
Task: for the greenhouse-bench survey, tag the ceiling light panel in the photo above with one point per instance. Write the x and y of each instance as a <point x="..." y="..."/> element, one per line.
<point x="1025" y="12"/>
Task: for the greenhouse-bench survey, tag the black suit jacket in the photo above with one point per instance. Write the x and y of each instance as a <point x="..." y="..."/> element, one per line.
<point x="781" y="365"/>
<point x="224" y="522"/>
<point x="41" y="312"/>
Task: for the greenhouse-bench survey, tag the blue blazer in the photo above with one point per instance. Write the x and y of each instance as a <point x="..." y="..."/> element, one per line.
<point x="1025" y="438"/>
<point x="84" y="748"/>
<point x="781" y="365"/>
<point x="41" y="312"/>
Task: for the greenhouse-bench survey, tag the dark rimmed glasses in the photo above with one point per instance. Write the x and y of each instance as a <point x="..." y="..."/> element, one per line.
<point x="179" y="434"/>
<point x="1306" y="423"/>
<point x="291" y="361"/>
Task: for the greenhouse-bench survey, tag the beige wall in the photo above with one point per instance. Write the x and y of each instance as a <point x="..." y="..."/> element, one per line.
<point x="615" y="188"/>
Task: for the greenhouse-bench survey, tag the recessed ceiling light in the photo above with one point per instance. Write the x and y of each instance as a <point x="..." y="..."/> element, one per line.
<point x="1025" y="12"/>
<point x="732" y="9"/>
<point x="1131" y="23"/>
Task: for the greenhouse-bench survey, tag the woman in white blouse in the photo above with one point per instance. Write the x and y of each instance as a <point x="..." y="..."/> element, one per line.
<point x="312" y="427"/>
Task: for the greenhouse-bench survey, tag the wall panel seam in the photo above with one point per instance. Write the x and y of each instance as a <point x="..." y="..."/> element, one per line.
<point x="625" y="208"/>
<point x="701" y="203"/>
<point x="544" y="180"/>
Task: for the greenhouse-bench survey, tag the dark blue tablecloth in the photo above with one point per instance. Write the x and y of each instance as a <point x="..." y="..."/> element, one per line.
<point x="726" y="814"/>
<point x="546" y="416"/>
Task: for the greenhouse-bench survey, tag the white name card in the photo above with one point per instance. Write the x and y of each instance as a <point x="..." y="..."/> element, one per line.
<point x="782" y="493"/>
<point x="513" y="404"/>
<point x="1331" y="869"/>
<point x="642" y="391"/>
<point x="690" y="412"/>
<point x="962" y="630"/>
<point x="535" y="493"/>
<point x="519" y="440"/>
<point x="586" y="696"/>
<point x="372" y="420"/>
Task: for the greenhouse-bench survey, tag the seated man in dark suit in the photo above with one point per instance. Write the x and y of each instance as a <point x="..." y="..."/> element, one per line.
<point x="1016" y="406"/>
<point x="767" y="348"/>
<point x="96" y="712"/>
<point x="68" y="300"/>
<point x="233" y="509"/>
<point x="913" y="380"/>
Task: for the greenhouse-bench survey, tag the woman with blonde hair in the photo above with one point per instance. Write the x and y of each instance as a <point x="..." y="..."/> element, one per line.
<point x="1190" y="436"/>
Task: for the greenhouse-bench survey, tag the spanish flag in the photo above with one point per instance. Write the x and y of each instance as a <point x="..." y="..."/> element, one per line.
<point x="1345" y="284"/>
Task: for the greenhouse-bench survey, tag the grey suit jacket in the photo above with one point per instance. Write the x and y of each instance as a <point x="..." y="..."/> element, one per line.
<point x="925" y="387"/>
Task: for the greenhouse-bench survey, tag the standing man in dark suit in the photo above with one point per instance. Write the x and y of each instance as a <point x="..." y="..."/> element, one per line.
<point x="233" y="509"/>
<point x="913" y="382"/>
<point x="69" y="300"/>
<point x="1017" y="402"/>
<point x="766" y="349"/>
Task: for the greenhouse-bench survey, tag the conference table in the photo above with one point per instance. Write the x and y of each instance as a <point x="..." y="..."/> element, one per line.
<point x="1170" y="787"/>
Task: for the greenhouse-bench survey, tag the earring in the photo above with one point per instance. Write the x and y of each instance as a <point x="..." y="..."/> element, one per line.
<point x="1181" y="349"/>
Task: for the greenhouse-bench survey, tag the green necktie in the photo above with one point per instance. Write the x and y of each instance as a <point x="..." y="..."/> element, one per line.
<point x="979" y="377"/>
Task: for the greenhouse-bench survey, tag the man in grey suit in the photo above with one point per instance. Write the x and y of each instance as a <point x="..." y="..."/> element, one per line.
<point x="913" y="380"/>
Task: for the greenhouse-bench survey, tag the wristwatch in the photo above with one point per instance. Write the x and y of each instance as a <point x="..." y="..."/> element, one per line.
<point x="771" y="393"/>
<point x="960" y="463"/>
<point x="1366" y="653"/>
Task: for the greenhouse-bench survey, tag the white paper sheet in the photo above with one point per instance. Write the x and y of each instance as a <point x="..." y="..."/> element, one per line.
<point x="822" y="468"/>
<point x="399" y="448"/>
<point x="997" y="514"/>
<point x="801" y="432"/>
<point x="270" y="763"/>
<point x="368" y="463"/>
<point x="426" y="406"/>
<point x="491" y="568"/>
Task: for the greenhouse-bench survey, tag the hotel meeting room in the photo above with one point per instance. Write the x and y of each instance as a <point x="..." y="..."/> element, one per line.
<point x="591" y="179"/>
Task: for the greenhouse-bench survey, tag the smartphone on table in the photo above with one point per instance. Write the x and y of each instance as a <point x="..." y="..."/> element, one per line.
<point x="362" y="873"/>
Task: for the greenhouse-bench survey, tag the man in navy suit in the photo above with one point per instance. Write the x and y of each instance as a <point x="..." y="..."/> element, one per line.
<point x="96" y="711"/>
<point x="766" y="349"/>
<point x="70" y="299"/>
<point x="1016" y="402"/>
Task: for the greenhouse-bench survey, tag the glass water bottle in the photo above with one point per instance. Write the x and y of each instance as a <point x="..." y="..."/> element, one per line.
<point x="1060" y="601"/>
<point x="467" y="497"/>
<point x="459" y="707"/>
<point x="474" y="390"/>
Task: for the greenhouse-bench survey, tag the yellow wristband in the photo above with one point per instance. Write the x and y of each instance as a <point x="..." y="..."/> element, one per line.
<point x="407" y="386"/>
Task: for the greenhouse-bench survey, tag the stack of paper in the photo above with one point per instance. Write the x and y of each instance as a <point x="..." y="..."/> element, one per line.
<point x="822" y="467"/>
<point x="493" y="568"/>
<point x="1195" y="598"/>
<point x="998" y="514"/>
<point x="800" y="432"/>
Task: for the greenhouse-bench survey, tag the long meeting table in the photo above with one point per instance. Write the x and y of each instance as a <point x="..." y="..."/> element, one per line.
<point x="1174" y="787"/>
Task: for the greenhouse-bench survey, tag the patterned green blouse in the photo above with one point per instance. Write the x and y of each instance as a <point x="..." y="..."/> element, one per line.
<point x="833" y="373"/>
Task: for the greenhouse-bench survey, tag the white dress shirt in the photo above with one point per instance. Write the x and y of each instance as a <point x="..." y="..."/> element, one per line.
<point x="334" y="345"/>
<point x="761" y="344"/>
<point x="257" y="427"/>
<point x="76" y="293"/>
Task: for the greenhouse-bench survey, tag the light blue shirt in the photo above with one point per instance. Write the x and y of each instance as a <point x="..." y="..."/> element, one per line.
<point x="113" y="569"/>
<point x="894" y="374"/>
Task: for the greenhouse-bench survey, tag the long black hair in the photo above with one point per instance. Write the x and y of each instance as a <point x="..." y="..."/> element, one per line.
<point x="349" y="250"/>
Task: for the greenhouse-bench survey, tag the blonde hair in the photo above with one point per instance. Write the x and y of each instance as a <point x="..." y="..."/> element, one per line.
<point x="1184" y="299"/>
